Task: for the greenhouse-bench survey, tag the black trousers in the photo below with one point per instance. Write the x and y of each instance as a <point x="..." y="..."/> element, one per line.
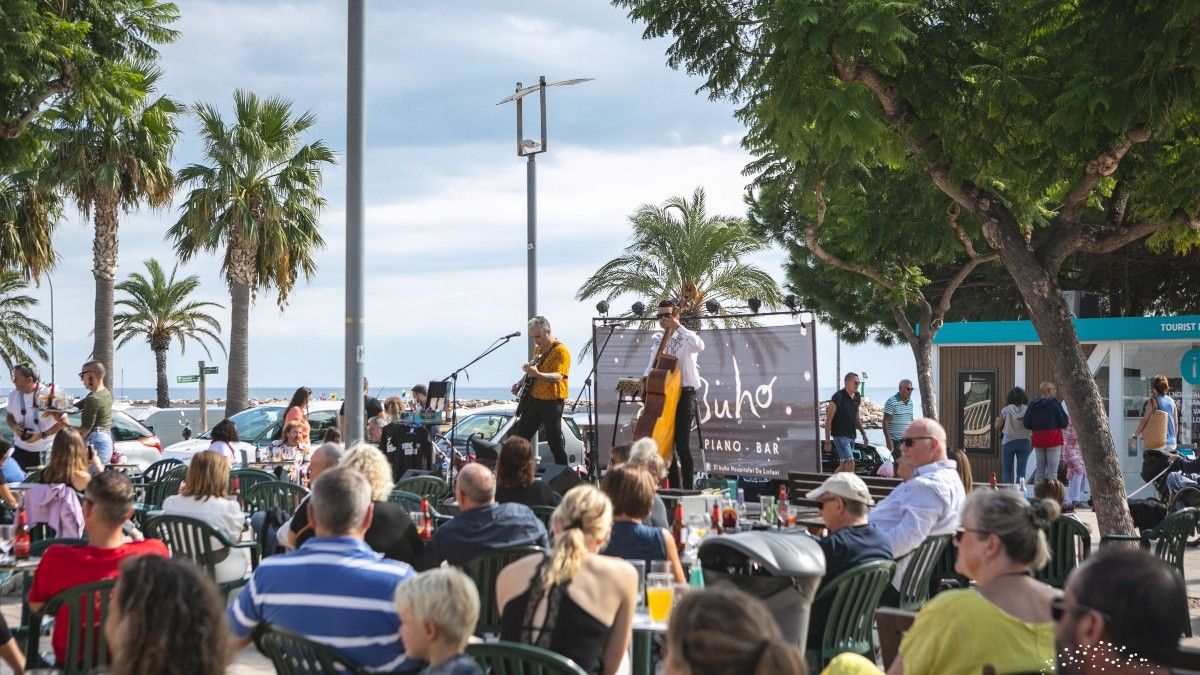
<point x="546" y="415"/>
<point x="26" y="459"/>
<point x="685" y="412"/>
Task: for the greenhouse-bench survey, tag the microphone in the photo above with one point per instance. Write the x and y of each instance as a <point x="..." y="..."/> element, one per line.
<point x="511" y="335"/>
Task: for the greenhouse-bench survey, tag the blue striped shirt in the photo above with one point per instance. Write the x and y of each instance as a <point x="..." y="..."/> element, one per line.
<point x="901" y="416"/>
<point x="333" y="590"/>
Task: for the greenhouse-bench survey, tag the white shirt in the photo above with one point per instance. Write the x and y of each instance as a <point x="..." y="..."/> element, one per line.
<point x="32" y="419"/>
<point x="223" y="448"/>
<point x="226" y="517"/>
<point x="684" y="345"/>
<point x="927" y="504"/>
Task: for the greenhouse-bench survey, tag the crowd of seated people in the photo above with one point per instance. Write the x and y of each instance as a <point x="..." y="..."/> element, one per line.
<point x="1121" y="610"/>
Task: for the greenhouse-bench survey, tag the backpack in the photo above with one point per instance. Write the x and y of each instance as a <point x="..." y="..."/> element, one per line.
<point x="1154" y="434"/>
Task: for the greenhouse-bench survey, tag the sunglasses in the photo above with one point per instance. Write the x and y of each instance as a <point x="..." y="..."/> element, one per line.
<point x="821" y="503"/>
<point x="664" y="316"/>
<point x="1058" y="607"/>
<point x="908" y="441"/>
<point x="962" y="531"/>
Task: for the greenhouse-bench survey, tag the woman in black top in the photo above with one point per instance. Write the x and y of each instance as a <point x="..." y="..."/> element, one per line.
<point x="515" y="471"/>
<point x="392" y="531"/>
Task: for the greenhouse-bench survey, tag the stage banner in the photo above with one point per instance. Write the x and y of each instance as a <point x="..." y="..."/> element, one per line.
<point x="757" y="399"/>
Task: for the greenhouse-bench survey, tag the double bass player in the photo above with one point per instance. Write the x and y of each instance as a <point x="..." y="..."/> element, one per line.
<point x="685" y="345"/>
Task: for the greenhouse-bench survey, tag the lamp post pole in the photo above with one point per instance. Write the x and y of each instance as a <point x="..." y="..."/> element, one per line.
<point x="50" y="283"/>
<point x="355" y="123"/>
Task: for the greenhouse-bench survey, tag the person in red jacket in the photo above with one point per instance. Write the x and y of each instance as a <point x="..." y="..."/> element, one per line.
<point x="107" y="504"/>
<point x="1046" y="418"/>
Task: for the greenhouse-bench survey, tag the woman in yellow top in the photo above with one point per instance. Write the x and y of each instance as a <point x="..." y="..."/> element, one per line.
<point x="548" y="371"/>
<point x="1004" y="621"/>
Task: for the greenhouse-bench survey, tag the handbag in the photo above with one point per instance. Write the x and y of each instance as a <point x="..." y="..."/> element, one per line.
<point x="1154" y="434"/>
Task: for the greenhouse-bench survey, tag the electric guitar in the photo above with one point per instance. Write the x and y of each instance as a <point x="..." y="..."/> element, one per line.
<point x="526" y="391"/>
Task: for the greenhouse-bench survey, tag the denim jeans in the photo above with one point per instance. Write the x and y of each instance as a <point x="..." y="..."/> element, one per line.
<point x="102" y="441"/>
<point x="1016" y="450"/>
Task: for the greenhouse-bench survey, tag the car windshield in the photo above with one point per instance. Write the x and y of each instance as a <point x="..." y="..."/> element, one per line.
<point x="485" y="426"/>
<point x="253" y="422"/>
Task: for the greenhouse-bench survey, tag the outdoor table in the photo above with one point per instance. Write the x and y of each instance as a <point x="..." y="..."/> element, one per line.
<point x="268" y="466"/>
<point x="10" y="564"/>
<point x="644" y="631"/>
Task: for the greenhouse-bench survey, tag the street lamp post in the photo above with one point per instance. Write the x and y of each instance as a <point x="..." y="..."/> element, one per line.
<point x="530" y="149"/>
<point x="355" y="243"/>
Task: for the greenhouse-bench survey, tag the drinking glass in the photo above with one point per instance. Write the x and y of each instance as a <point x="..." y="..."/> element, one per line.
<point x="768" y="508"/>
<point x="660" y="594"/>
<point x="7" y="533"/>
<point x="640" y="566"/>
<point x="418" y="518"/>
<point x="659" y="567"/>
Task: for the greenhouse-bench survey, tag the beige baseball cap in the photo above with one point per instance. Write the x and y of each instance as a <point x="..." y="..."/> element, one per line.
<point x="845" y="485"/>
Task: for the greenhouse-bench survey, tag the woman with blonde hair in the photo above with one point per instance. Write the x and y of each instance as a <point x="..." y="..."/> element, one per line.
<point x="723" y="631"/>
<point x="392" y="531"/>
<point x="572" y="601"/>
<point x="205" y="496"/>
<point x="1004" y="621"/>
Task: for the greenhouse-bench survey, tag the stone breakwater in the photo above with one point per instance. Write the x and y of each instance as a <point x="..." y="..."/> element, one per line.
<point x="463" y="404"/>
<point x="870" y="412"/>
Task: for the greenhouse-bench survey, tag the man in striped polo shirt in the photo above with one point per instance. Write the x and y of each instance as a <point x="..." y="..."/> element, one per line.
<point x="897" y="415"/>
<point x="334" y="589"/>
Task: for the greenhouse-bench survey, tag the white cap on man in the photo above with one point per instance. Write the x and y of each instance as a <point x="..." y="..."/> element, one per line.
<point x="845" y="485"/>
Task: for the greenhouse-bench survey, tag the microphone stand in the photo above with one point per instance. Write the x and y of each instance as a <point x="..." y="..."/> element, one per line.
<point x="453" y="379"/>
<point x="593" y="456"/>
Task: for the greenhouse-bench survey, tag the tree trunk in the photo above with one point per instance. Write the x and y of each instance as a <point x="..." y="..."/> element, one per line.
<point x="922" y="349"/>
<point x="241" y="273"/>
<point x="1051" y="318"/>
<point x="104" y="269"/>
<point x="160" y="365"/>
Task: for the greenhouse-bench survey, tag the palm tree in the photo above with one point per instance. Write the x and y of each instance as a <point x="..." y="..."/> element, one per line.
<point x="29" y="211"/>
<point x="18" y="330"/>
<point x="258" y="196"/>
<point x="111" y="158"/>
<point x="160" y="309"/>
<point x="680" y="253"/>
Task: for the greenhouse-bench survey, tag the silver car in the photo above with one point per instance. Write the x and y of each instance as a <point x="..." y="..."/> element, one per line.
<point x="494" y="424"/>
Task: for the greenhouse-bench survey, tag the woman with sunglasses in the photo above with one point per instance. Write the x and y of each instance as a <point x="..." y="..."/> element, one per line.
<point x="1004" y="620"/>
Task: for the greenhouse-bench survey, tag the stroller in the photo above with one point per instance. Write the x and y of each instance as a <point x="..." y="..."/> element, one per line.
<point x="1175" y="491"/>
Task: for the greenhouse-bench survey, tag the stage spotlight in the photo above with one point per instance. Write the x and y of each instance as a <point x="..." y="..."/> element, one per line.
<point x="602" y="307"/>
<point x="790" y="301"/>
<point x="639" y="308"/>
<point x="754" y="304"/>
<point x="712" y="306"/>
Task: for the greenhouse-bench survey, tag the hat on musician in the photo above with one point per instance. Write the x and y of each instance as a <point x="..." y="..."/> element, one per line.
<point x="845" y="485"/>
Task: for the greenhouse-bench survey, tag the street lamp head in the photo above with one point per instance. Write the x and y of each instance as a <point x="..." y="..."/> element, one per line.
<point x="530" y="144"/>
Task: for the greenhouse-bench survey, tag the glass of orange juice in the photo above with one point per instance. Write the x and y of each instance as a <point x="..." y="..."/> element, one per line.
<point x="660" y="595"/>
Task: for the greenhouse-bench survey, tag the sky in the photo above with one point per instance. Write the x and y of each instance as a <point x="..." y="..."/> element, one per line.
<point x="445" y="191"/>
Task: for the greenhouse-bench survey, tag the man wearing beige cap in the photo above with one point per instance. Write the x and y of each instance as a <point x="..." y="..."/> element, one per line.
<point x="844" y="501"/>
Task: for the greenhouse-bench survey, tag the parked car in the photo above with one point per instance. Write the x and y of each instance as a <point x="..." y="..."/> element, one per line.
<point x="137" y="444"/>
<point x="257" y="427"/>
<point x="493" y="425"/>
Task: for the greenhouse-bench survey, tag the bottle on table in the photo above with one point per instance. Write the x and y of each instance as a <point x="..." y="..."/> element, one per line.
<point x="427" y="524"/>
<point x="782" y="501"/>
<point x="992" y="480"/>
<point x="677" y="527"/>
<point x="21" y="540"/>
<point x="715" y="518"/>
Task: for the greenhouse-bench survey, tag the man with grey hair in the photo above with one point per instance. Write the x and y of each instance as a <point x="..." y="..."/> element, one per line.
<point x="897" y="415"/>
<point x="927" y="504"/>
<point x="544" y="389"/>
<point x="482" y="525"/>
<point x="298" y="527"/>
<point x="334" y="589"/>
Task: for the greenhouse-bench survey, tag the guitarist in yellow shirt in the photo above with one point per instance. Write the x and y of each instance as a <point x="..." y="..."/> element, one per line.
<point x="544" y="389"/>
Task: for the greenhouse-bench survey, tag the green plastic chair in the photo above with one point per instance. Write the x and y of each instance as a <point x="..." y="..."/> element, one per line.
<point x="280" y="494"/>
<point x="248" y="478"/>
<point x="410" y="501"/>
<point x="194" y="539"/>
<point x="1070" y="543"/>
<point x="158" y="470"/>
<point x="36" y="549"/>
<point x="293" y="654"/>
<point x="34" y="476"/>
<point x="854" y="597"/>
<point x="1167" y="541"/>
<point x="483" y="571"/>
<point x="513" y="658"/>
<point x="543" y="513"/>
<point x="923" y="562"/>
<point x="944" y="575"/>
<point x="167" y="486"/>
<point x="431" y="487"/>
<point x="87" y="607"/>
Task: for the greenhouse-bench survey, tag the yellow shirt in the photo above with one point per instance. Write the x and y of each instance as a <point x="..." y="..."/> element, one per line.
<point x="961" y="632"/>
<point x="557" y="361"/>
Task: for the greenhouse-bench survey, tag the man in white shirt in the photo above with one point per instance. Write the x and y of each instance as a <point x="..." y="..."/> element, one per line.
<point x="684" y="344"/>
<point x="33" y="430"/>
<point x="929" y="503"/>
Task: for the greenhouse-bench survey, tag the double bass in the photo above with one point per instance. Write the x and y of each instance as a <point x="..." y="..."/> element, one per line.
<point x="661" y="398"/>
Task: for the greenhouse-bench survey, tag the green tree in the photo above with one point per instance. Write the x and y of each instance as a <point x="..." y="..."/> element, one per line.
<point x="1062" y="128"/>
<point x="161" y="309"/>
<point x="258" y="196"/>
<point x="20" y="333"/>
<point x="77" y="47"/>
<point x="113" y="158"/>
<point x="29" y="210"/>
<point x="678" y="251"/>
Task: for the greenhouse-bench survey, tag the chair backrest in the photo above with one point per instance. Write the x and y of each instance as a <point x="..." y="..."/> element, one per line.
<point x="34" y="476"/>
<point x="854" y="596"/>
<point x="273" y="493"/>
<point x="248" y="478"/>
<point x="514" y="658"/>
<point x="293" y="654"/>
<point x="159" y="469"/>
<point x="39" y="546"/>
<point x="1070" y="543"/>
<point x="483" y="571"/>
<point x="158" y="491"/>
<point x="543" y="513"/>
<point x="410" y="501"/>
<point x="1171" y="535"/>
<point x="87" y="607"/>
<point x="40" y="532"/>
<point x="922" y="562"/>
<point x="188" y="538"/>
<point x="430" y="487"/>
